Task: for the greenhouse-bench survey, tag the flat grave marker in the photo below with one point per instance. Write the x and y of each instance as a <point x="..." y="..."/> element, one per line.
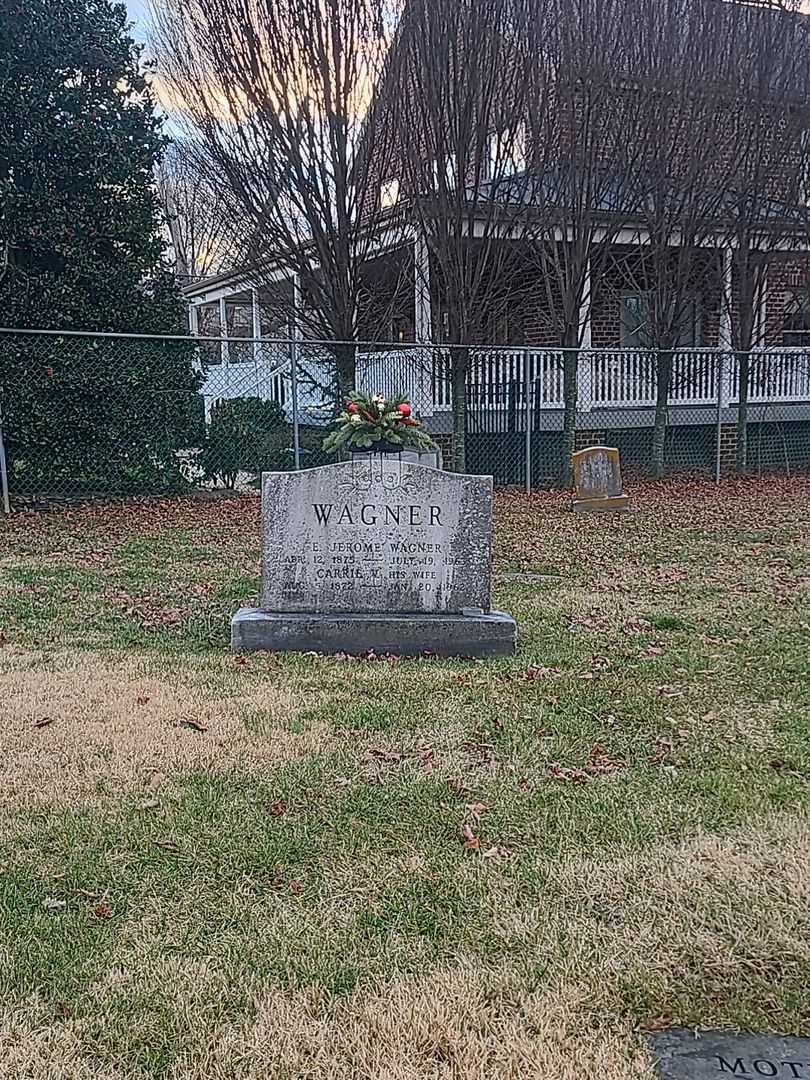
<point x="682" y="1054"/>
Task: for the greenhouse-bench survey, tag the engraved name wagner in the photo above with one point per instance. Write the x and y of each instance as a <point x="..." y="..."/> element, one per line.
<point x="375" y="514"/>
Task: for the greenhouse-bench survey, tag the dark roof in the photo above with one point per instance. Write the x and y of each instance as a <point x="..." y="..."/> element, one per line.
<point x="631" y="197"/>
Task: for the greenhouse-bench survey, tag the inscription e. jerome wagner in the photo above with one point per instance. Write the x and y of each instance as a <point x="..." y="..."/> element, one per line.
<point x="378" y="538"/>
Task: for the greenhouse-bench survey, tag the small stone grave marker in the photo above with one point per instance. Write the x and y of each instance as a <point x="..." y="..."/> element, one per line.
<point x="682" y="1054"/>
<point x="598" y="480"/>
<point x="375" y="554"/>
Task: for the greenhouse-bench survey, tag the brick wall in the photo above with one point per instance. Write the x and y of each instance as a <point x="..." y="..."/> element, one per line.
<point x="584" y="439"/>
<point x="728" y="448"/>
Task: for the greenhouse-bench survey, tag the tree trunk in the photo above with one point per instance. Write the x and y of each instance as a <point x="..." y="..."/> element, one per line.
<point x="743" y="376"/>
<point x="663" y="381"/>
<point x="458" y="383"/>
<point x="569" y="432"/>
<point x="346" y="373"/>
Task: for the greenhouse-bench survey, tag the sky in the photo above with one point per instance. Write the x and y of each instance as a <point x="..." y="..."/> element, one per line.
<point x="138" y="15"/>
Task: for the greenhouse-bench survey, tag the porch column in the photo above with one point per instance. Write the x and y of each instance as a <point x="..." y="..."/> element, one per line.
<point x="256" y="322"/>
<point x="585" y="363"/>
<point x="726" y="301"/>
<point x="193" y="320"/>
<point x="585" y="311"/>
<point x="423" y="314"/>
<point x="223" y="331"/>
<point x="761" y="324"/>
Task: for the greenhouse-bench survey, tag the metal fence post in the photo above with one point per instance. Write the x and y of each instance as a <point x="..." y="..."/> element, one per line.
<point x="296" y="335"/>
<point x="719" y="429"/>
<point x="294" y="391"/>
<point x="527" y="401"/>
<point x="4" y="470"/>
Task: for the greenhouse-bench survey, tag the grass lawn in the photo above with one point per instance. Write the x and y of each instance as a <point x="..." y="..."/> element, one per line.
<point x="276" y="867"/>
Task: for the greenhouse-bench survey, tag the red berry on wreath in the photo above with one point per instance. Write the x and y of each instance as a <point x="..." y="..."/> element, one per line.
<point x="352" y="407"/>
<point x="404" y="409"/>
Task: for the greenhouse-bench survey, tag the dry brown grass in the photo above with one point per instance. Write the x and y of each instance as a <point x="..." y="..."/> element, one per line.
<point x="400" y="955"/>
<point x="117" y="727"/>
<point x="712" y="906"/>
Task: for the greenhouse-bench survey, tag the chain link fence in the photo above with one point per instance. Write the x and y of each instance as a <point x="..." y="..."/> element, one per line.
<point x="85" y="415"/>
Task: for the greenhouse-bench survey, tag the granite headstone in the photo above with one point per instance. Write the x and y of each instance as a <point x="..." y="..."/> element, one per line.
<point x="375" y="554"/>
<point x="683" y="1054"/>
<point x="598" y="480"/>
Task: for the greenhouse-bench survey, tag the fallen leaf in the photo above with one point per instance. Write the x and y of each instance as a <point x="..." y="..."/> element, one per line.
<point x="149" y="804"/>
<point x="390" y="757"/>
<point x="195" y="725"/>
<point x="539" y="671"/>
<point x="141" y="700"/>
<point x="54" y="905"/>
<point x="101" y="911"/>
<point x="240" y="660"/>
<point x="477" y="807"/>
<point x="471" y="841"/>
<point x="671" y="691"/>
<point x="458" y="787"/>
<point x="277" y="808"/>
<point x="562" y="772"/>
<point x="601" y="763"/>
<point x="657" y="1023"/>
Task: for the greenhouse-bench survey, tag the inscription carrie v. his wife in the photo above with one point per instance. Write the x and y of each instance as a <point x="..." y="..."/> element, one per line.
<point x="375" y="536"/>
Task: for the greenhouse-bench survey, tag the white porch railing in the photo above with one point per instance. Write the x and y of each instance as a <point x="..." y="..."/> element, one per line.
<point x="623" y="378"/>
<point x="775" y="376"/>
<point x="606" y="379"/>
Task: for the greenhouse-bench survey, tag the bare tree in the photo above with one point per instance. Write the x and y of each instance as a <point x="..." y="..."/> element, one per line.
<point x="458" y="104"/>
<point x="278" y="93"/>
<point x="765" y="214"/>
<point x="587" y="159"/>
<point x="686" y="66"/>
<point x="204" y="238"/>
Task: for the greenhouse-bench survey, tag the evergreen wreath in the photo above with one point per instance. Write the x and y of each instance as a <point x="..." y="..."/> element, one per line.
<point x="370" y="419"/>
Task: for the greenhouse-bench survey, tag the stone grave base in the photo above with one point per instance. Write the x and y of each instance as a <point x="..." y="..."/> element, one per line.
<point x="618" y="503"/>
<point x="492" y="634"/>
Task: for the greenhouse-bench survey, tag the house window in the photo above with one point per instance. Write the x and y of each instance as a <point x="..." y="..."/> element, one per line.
<point x="389" y="194"/>
<point x="636" y="323"/>
<point x="796" y="326"/>
<point x="507" y="152"/>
